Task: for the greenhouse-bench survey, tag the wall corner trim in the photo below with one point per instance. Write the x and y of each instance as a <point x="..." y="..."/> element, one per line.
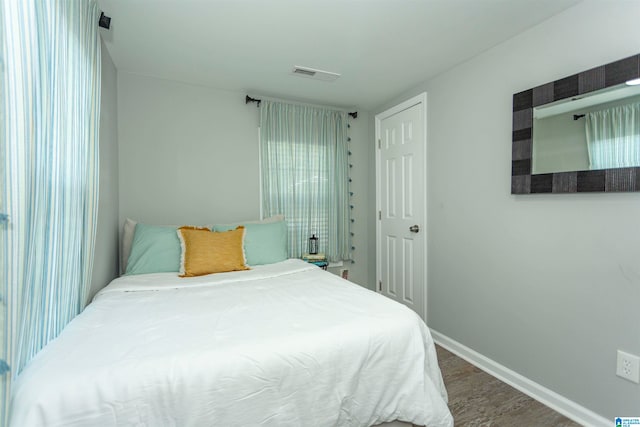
<point x="553" y="400"/>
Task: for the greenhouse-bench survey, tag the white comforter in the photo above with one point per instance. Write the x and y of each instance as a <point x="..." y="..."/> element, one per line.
<point x="280" y="345"/>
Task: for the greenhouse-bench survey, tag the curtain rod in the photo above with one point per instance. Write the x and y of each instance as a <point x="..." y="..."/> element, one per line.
<point x="249" y="99"/>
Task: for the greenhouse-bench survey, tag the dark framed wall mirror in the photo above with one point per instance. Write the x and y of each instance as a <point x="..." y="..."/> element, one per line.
<point x="580" y="133"/>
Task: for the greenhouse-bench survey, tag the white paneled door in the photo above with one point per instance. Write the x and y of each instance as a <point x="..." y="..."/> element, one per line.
<point x="401" y="201"/>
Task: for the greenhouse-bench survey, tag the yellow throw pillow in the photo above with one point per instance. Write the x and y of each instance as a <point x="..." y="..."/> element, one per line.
<point x="207" y="252"/>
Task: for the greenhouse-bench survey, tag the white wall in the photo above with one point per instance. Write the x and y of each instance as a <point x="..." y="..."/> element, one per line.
<point x="189" y="154"/>
<point x="105" y="266"/>
<point x="546" y="285"/>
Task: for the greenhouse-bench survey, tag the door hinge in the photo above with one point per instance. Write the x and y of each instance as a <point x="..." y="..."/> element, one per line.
<point x="380" y="285"/>
<point x="379" y="215"/>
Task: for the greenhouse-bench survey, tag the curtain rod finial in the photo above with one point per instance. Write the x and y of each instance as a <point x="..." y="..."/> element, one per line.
<point x="248" y="99"/>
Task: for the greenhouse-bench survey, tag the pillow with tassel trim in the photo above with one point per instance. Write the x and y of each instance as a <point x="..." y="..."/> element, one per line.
<point x="208" y="252"/>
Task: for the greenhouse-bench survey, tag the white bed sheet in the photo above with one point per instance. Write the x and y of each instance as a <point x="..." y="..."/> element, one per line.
<point x="280" y="345"/>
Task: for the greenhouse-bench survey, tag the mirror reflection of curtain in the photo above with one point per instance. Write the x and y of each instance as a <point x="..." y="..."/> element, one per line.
<point x="613" y="137"/>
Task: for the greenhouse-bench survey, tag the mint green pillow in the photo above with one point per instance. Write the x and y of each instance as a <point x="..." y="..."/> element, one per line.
<point x="264" y="243"/>
<point x="155" y="249"/>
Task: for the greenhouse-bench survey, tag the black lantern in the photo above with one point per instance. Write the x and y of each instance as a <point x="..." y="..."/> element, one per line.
<point x="313" y="245"/>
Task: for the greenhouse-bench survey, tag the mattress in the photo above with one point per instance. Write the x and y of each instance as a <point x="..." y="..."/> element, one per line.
<point x="285" y="344"/>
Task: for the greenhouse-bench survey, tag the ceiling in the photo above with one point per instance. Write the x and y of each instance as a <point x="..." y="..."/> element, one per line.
<point x="381" y="48"/>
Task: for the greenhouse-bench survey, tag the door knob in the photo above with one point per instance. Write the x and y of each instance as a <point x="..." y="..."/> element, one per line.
<point x="414" y="228"/>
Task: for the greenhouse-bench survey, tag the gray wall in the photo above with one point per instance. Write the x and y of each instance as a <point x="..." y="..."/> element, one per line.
<point x="189" y="154"/>
<point x="105" y="266"/>
<point x="546" y="285"/>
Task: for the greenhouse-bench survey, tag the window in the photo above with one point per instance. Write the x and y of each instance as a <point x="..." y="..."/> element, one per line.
<point x="303" y="158"/>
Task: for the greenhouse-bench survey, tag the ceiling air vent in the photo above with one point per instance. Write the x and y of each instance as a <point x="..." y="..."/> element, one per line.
<point x="312" y="73"/>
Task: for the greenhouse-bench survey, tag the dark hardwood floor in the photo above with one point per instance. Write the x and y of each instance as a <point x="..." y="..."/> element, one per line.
<point x="480" y="400"/>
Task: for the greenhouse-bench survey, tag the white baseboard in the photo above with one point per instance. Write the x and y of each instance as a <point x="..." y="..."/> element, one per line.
<point x="553" y="400"/>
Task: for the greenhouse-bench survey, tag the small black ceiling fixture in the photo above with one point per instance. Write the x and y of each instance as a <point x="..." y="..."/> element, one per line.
<point x="104" y="21"/>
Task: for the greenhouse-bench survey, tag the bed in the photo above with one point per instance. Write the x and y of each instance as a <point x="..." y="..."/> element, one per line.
<point x="284" y="344"/>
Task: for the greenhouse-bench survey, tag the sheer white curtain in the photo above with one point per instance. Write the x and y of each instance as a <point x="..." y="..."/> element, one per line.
<point x="613" y="137"/>
<point x="304" y="163"/>
<point x="51" y="101"/>
<point x="4" y="367"/>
